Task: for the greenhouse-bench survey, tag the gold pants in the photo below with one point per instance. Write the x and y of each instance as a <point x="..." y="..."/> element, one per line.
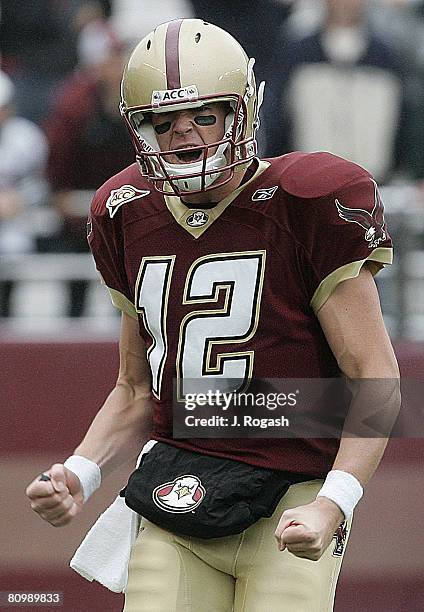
<point x="239" y="573"/>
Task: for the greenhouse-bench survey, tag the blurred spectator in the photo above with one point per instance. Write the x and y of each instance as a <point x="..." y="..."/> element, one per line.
<point x="256" y="25"/>
<point x="23" y="155"/>
<point x="91" y="10"/>
<point x="133" y="19"/>
<point x="88" y="139"/>
<point x="404" y="19"/>
<point x="339" y="89"/>
<point x="38" y="48"/>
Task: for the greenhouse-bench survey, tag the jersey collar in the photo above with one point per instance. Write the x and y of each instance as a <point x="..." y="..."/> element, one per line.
<point x="197" y="220"/>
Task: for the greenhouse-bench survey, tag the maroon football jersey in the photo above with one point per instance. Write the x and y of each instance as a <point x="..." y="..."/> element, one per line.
<point x="232" y="291"/>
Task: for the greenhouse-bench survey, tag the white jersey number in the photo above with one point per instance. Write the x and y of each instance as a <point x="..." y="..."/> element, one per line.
<point x="232" y="284"/>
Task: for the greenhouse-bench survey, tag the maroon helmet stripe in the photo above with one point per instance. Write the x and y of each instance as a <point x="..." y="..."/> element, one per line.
<point x="171" y="54"/>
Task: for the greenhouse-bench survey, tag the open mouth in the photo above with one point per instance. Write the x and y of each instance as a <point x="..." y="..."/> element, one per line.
<point x="189" y="156"/>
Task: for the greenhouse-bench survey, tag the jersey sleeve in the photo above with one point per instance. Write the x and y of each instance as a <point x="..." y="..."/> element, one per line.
<point x="342" y="231"/>
<point x="105" y="241"/>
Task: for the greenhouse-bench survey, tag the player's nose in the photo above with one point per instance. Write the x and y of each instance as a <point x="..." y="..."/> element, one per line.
<point x="183" y="123"/>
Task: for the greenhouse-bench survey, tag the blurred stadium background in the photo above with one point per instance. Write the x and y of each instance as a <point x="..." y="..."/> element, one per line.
<point x="58" y="331"/>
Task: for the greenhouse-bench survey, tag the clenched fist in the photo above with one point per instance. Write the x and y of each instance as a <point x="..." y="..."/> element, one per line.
<point x="59" y="499"/>
<point x="306" y="531"/>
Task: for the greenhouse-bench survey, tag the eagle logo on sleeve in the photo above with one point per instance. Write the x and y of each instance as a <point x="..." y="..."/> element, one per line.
<point x="373" y="222"/>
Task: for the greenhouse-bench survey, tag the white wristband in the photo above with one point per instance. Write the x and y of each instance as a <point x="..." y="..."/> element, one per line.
<point x="343" y="489"/>
<point x="87" y="471"/>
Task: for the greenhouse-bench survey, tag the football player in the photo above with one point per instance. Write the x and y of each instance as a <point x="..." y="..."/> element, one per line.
<point x="228" y="266"/>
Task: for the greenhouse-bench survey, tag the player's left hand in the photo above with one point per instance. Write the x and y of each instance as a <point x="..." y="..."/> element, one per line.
<point x="306" y="531"/>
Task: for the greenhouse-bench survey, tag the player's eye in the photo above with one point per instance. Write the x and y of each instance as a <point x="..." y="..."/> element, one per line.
<point x="205" y="120"/>
<point x="162" y="128"/>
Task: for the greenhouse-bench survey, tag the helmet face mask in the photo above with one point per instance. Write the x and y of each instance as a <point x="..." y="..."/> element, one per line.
<point x="147" y="91"/>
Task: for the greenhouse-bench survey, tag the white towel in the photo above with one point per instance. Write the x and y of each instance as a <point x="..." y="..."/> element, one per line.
<point x="105" y="552"/>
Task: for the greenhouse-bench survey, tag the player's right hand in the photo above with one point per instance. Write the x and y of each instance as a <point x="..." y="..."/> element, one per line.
<point x="58" y="499"/>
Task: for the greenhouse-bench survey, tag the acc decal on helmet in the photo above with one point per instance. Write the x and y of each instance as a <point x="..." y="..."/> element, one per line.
<point x="188" y="63"/>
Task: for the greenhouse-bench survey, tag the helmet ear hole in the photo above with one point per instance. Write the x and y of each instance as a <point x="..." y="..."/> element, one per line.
<point x="149" y="44"/>
<point x="197" y="37"/>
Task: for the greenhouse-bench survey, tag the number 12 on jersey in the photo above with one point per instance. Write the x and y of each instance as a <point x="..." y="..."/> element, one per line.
<point x="231" y="284"/>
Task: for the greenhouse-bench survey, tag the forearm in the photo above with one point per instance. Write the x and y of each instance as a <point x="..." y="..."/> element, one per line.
<point x="360" y="457"/>
<point x="116" y="435"/>
<point x="373" y="412"/>
<point x="353" y="325"/>
<point x="120" y="429"/>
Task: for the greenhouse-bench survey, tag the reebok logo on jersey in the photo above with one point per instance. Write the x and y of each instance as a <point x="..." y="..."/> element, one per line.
<point x="124" y="194"/>
<point x="183" y="494"/>
<point x="264" y="194"/>
<point x="372" y="222"/>
<point x="197" y="219"/>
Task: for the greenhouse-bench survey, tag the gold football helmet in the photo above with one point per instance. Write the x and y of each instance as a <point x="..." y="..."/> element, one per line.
<point x="188" y="63"/>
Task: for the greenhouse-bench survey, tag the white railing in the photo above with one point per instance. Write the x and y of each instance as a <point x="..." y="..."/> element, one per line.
<point x="41" y="267"/>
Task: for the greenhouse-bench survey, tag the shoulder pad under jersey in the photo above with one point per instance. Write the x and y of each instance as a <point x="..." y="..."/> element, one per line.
<point x="124" y="186"/>
<point x="315" y="175"/>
